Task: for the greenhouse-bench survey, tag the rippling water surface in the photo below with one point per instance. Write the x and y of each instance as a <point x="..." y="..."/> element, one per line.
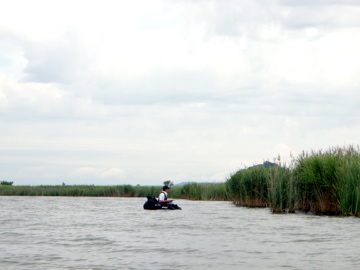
<point x="116" y="233"/>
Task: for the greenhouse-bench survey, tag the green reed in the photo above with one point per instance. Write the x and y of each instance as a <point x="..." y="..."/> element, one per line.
<point x="349" y="183"/>
<point x="192" y="191"/>
<point x="315" y="181"/>
<point x="201" y="191"/>
<point x="249" y="187"/>
<point x="325" y="182"/>
<point x="81" y="190"/>
<point x="279" y="195"/>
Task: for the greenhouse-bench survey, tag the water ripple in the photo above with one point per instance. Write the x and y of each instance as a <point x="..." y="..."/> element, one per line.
<point x="116" y="233"/>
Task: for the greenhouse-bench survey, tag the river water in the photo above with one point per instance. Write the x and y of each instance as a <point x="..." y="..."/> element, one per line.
<point x="116" y="233"/>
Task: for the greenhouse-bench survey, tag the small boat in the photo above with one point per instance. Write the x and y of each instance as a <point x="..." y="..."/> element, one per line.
<point x="153" y="204"/>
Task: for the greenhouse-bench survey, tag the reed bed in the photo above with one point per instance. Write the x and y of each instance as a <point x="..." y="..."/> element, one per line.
<point x="324" y="182"/>
<point x="193" y="191"/>
<point x="198" y="191"/>
<point x="249" y="187"/>
<point x="83" y="190"/>
<point x="279" y="195"/>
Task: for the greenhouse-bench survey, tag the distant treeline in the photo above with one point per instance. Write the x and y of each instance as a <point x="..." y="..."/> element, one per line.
<point x="81" y="190"/>
<point x="326" y="182"/>
<point x="191" y="191"/>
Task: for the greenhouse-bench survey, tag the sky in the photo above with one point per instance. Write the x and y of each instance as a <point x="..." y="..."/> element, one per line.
<point x="138" y="92"/>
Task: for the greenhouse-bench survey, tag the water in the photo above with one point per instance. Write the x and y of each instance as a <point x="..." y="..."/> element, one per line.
<point x="116" y="233"/>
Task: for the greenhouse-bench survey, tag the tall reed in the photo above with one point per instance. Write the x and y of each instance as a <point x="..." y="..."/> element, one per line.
<point x="279" y="197"/>
<point x="82" y="190"/>
<point x="349" y="184"/>
<point x="328" y="181"/>
<point x="194" y="191"/>
<point x="201" y="191"/>
<point x="320" y="181"/>
<point x="315" y="178"/>
<point x="249" y="187"/>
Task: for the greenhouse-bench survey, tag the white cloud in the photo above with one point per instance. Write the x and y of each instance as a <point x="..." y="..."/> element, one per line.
<point x="144" y="91"/>
<point x="97" y="173"/>
<point x="113" y="172"/>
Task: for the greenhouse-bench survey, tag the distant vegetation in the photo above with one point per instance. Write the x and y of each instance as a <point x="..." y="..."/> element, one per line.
<point x="83" y="190"/>
<point x="326" y="182"/>
<point x="191" y="191"/>
<point x="199" y="191"/>
<point x="6" y="183"/>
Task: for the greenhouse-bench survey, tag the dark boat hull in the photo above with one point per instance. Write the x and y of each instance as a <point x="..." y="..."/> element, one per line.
<point x="158" y="206"/>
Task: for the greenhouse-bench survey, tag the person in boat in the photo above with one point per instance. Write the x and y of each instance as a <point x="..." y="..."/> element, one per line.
<point x="163" y="201"/>
<point x="163" y="197"/>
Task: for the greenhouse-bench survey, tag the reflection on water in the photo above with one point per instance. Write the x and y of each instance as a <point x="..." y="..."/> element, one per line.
<point x="116" y="233"/>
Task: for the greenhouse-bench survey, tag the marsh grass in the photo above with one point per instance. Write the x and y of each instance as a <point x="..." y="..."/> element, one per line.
<point x="199" y="191"/>
<point x="193" y="191"/>
<point x="249" y="187"/>
<point x="349" y="183"/>
<point x="82" y="190"/>
<point x="316" y="181"/>
<point x="326" y="182"/>
<point x="279" y="189"/>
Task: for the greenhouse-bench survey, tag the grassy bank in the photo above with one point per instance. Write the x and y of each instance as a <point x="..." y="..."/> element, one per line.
<point x="84" y="190"/>
<point x="196" y="191"/>
<point x="326" y="182"/>
<point x="191" y="191"/>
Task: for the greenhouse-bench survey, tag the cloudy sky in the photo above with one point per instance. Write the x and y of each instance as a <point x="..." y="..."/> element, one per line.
<point x="139" y="92"/>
